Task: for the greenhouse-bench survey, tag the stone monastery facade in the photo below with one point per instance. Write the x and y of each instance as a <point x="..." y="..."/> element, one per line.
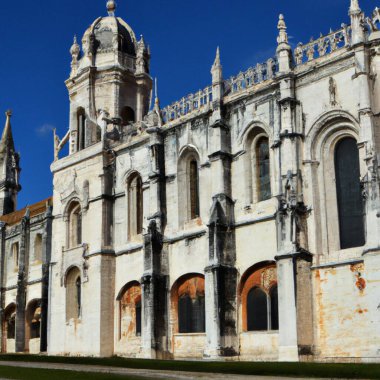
<point x="242" y="221"/>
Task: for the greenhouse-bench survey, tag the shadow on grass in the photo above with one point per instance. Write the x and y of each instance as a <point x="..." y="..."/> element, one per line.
<point x="309" y="370"/>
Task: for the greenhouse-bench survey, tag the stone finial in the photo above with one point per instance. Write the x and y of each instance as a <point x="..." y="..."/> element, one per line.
<point x="217" y="58"/>
<point x="354" y="7"/>
<point x="7" y="137"/>
<point x="111" y="8"/>
<point x="75" y="50"/>
<point x="281" y="26"/>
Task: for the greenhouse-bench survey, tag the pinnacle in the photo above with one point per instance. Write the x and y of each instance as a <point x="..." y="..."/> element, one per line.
<point x="111" y="8"/>
<point x="7" y="137"/>
<point x="354" y="6"/>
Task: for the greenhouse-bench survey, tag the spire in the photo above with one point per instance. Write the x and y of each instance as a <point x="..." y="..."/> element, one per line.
<point x="111" y="8"/>
<point x="217" y="58"/>
<point x="7" y="137"/>
<point x="156" y="99"/>
<point x="284" y="51"/>
<point x="354" y="8"/>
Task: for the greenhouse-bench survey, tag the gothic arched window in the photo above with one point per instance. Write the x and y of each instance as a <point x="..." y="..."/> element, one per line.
<point x="73" y="294"/>
<point x="263" y="169"/>
<point x="130" y="315"/>
<point x="349" y="197"/>
<point x="34" y="319"/>
<point x="10" y="322"/>
<point x="75" y="225"/>
<point x="257" y="310"/>
<point x="193" y="181"/>
<point x="135" y="205"/>
<point x="188" y="298"/>
<point x="81" y="127"/>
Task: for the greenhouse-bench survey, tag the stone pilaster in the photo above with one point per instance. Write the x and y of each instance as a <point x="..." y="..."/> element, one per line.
<point x="22" y="284"/>
<point x="46" y="256"/>
<point x="2" y="283"/>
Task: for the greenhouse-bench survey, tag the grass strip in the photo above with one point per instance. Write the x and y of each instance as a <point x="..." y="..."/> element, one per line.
<point x="20" y="373"/>
<point x="309" y="370"/>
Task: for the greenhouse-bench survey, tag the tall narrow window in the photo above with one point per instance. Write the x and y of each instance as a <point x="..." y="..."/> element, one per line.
<point x="194" y="189"/>
<point x="135" y="205"/>
<point x="81" y="126"/>
<point x="75" y="225"/>
<point x="263" y="169"/>
<point x="350" y="202"/>
<point x="138" y="318"/>
<point x="10" y="322"/>
<point x="257" y="310"/>
<point x="73" y="294"/>
<point x="78" y="295"/>
<point x="274" y="308"/>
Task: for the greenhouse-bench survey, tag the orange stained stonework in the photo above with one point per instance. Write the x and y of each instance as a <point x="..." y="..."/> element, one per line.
<point x="130" y="296"/>
<point x="264" y="278"/>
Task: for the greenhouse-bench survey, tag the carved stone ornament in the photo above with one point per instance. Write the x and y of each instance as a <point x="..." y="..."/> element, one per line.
<point x="268" y="276"/>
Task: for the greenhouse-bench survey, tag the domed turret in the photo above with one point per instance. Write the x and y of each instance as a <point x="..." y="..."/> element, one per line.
<point x="111" y="77"/>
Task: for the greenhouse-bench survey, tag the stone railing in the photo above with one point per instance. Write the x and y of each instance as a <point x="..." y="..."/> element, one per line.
<point x="200" y="100"/>
<point x="323" y="45"/>
<point x="252" y="76"/>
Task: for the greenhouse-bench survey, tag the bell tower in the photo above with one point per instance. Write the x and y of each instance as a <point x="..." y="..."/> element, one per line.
<point x="109" y="79"/>
<point x="9" y="169"/>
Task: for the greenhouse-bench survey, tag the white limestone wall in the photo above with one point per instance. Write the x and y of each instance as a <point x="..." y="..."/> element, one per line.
<point x="347" y="318"/>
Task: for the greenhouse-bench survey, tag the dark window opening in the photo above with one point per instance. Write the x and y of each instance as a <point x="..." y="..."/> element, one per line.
<point x="127" y="115"/>
<point x="11" y="326"/>
<point x="78" y="295"/>
<point x="194" y="190"/>
<point x="349" y="197"/>
<point x="274" y="308"/>
<point x="263" y="169"/>
<point x="257" y="310"/>
<point x="191" y="314"/>
<point x="35" y="328"/>
<point x="138" y="318"/>
<point x="81" y="126"/>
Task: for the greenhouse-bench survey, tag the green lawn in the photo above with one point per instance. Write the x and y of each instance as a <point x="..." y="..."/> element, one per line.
<point x="309" y="370"/>
<point x="18" y="373"/>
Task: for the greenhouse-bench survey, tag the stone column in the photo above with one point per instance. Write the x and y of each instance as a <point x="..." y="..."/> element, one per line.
<point x="155" y="280"/>
<point x="22" y="284"/>
<point x="46" y="255"/>
<point x="2" y="282"/>
<point x="220" y="274"/>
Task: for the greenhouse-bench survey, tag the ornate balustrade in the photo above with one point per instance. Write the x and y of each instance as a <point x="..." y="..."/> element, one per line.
<point x="193" y="102"/>
<point x="323" y="45"/>
<point x="252" y="76"/>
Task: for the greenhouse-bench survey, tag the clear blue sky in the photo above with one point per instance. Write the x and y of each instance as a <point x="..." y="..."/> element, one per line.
<point x="36" y="37"/>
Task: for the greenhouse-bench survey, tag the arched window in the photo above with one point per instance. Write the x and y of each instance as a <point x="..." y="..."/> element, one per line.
<point x="127" y="115"/>
<point x="135" y="205"/>
<point x="81" y="127"/>
<point x="188" y="298"/>
<point x="259" y="298"/>
<point x="15" y="254"/>
<point x="263" y="169"/>
<point x="257" y="310"/>
<point x="349" y="198"/>
<point x="130" y="311"/>
<point x="10" y="322"/>
<point x="38" y="248"/>
<point x="73" y="294"/>
<point x="75" y="225"/>
<point x="34" y="319"/>
<point x="193" y="181"/>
